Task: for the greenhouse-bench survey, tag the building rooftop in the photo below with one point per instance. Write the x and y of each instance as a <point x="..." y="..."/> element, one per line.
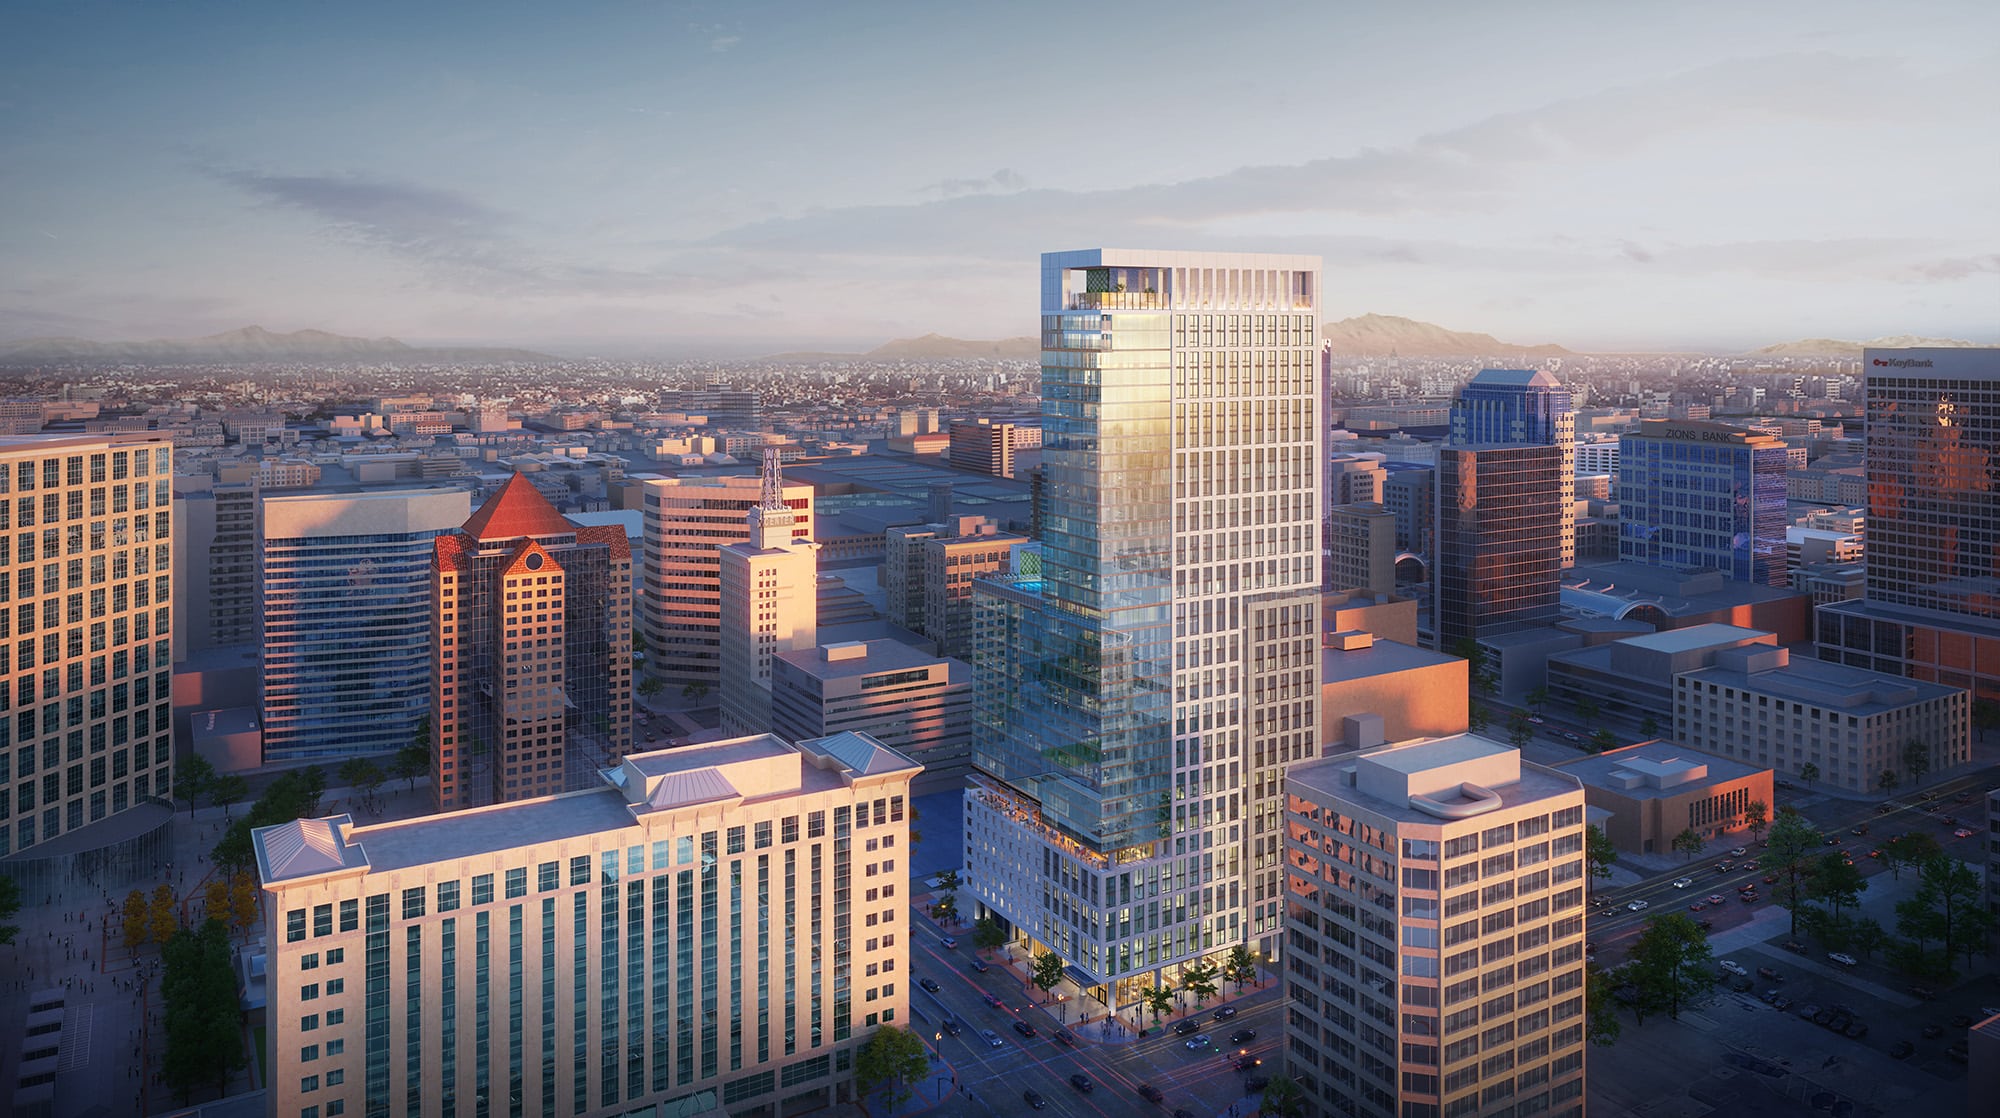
<point x="1692" y="638"/>
<point x="1382" y="658"/>
<point x="1510" y="378"/>
<point x="1433" y="781"/>
<point x="1614" y="589"/>
<point x="1854" y="691"/>
<point x="1656" y="769"/>
<point x="519" y="509"/>
<point x="882" y="655"/>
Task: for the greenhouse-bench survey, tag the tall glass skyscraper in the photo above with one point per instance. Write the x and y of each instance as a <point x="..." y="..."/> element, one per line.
<point x="1698" y="495"/>
<point x="1137" y="702"/>
<point x="1523" y="407"/>
<point x="1497" y="563"/>
<point x="1932" y="606"/>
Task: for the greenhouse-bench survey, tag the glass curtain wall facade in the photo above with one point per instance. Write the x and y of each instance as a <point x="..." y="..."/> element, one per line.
<point x="1523" y="407"/>
<point x="1497" y="547"/>
<point x="1136" y="701"/>
<point x="1696" y="496"/>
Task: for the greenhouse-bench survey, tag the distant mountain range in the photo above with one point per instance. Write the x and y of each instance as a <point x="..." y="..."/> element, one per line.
<point x="930" y="347"/>
<point x="1833" y="347"/>
<point x="251" y="344"/>
<point x="1379" y="335"/>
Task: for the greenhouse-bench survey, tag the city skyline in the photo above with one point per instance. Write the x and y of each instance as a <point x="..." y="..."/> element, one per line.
<point x="735" y="181"/>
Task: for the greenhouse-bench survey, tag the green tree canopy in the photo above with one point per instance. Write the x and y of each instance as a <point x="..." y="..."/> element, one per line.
<point x="1947" y="906"/>
<point x="1283" y="1098"/>
<point x="1519" y="730"/>
<point x="1159" y="999"/>
<point x="227" y="789"/>
<point x="1916" y="760"/>
<point x="1985" y="716"/>
<point x="1198" y="978"/>
<point x="203" y="1023"/>
<point x="1672" y="965"/>
<point x="1241" y="966"/>
<point x="1599" y="852"/>
<point x="894" y="1058"/>
<point x="1047" y="970"/>
<point x="1603" y="1020"/>
<point x="1688" y="843"/>
<point x="1790" y="847"/>
<point x="1603" y="740"/>
<point x="1837" y="883"/>
<point x="987" y="933"/>
<point x="1808" y="772"/>
<point x="192" y="778"/>
<point x="1757" y="814"/>
<point x="1588" y="709"/>
<point x="1912" y="849"/>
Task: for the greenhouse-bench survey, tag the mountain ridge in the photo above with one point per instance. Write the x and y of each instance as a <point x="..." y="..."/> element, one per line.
<point x="929" y="347"/>
<point x="1835" y="347"/>
<point x="1380" y="335"/>
<point x="248" y="344"/>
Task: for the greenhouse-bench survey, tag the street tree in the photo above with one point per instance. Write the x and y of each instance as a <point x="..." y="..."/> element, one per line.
<point x="1476" y="718"/>
<point x="1199" y="979"/>
<point x="1789" y="853"/>
<point x="948" y="880"/>
<point x="1538" y="698"/>
<point x="1519" y="730"/>
<point x="1866" y="935"/>
<point x="1240" y="966"/>
<point x="1837" y="883"/>
<point x="1160" y="1000"/>
<point x="1046" y="971"/>
<point x="1887" y="781"/>
<point x="1912" y="849"/>
<point x="364" y="776"/>
<point x="1283" y="1098"/>
<point x="895" y="1059"/>
<point x="1603" y="740"/>
<point x="193" y="778"/>
<point x="694" y="692"/>
<point x="946" y="908"/>
<point x="204" y="1036"/>
<point x="1587" y="709"/>
<point x="1757" y="814"/>
<point x="1809" y="772"/>
<point x="1602" y="1024"/>
<point x="1478" y="665"/>
<point x="161" y="919"/>
<point x="136" y="928"/>
<point x="1949" y="899"/>
<point x="987" y="934"/>
<point x="1916" y="760"/>
<point x="244" y="907"/>
<point x="1672" y="965"/>
<point x="227" y="789"/>
<point x="1688" y="844"/>
<point x="1599" y="852"/>
<point x="651" y="686"/>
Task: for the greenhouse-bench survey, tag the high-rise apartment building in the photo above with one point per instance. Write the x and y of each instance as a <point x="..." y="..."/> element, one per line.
<point x="1695" y="495"/>
<point x="531" y="652"/>
<point x="347" y="619"/>
<point x="769" y="604"/>
<point x="915" y="703"/>
<point x="1498" y="540"/>
<point x="1522" y="407"/>
<point x="86" y="565"/>
<point x="688" y="520"/>
<point x="1361" y="548"/>
<point x="982" y="445"/>
<point x="1136" y="703"/>
<point x="1436" y="903"/>
<point x="713" y="928"/>
<point x="215" y="549"/>
<point x="928" y="571"/>
<point x="1932" y="606"/>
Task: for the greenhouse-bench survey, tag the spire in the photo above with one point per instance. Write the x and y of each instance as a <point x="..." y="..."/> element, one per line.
<point x="518" y="509"/>
<point x="771" y="521"/>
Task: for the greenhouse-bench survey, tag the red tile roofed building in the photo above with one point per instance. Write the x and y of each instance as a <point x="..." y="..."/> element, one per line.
<point x="531" y="654"/>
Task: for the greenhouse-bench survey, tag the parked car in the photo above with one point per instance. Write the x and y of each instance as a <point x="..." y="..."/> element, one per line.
<point x="1781" y="1003"/>
<point x="1732" y="966"/>
<point x="928" y="984"/>
<point x="1535" y="718"/>
<point x="1794" y="946"/>
<point x="1024" y="1028"/>
<point x="1683" y="882"/>
<point x="1856" y="1030"/>
<point x="1839" y="1022"/>
<point x="1034" y="1099"/>
<point x="1225" y="1013"/>
<point x="1151" y="1094"/>
<point x="1082" y="1083"/>
<point x="1932" y="1032"/>
<point x="1924" y="992"/>
<point x="1842" y="958"/>
<point x="1809" y="1011"/>
<point x="1242" y="1036"/>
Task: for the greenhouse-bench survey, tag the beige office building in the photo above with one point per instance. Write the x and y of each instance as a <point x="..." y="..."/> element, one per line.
<point x="769" y="605"/>
<point x="1360" y="544"/>
<point x="688" y="520"/>
<point x="918" y="704"/>
<point x="983" y="445"/>
<point x="717" y="927"/>
<point x="1435" y="914"/>
<point x="927" y="573"/>
<point x="86" y="562"/>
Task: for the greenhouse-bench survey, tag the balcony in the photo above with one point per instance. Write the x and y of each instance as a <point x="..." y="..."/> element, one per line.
<point x="1117" y="301"/>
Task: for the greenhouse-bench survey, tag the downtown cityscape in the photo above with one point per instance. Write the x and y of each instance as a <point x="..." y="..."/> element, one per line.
<point x="701" y="597"/>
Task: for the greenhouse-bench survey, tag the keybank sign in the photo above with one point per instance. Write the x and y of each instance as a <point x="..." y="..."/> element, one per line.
<point x="1902" y="363"/>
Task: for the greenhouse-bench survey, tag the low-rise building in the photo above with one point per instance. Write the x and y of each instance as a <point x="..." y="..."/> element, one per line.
<point x="1854" y="727"/>
<point x="1650" y="792"/>
<point x="1632" y="678"/>
<point x="913" y="702"/>
<point x="1417" y="692"/>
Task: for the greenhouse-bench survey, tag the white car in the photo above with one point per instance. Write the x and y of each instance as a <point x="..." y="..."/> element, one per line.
<point x="1739" y="852"/>
<point x="1684" y="882"/>
<point x="1843" y="959"/>
<point x="1636" y="906"/>
<point x="1733" y="967"/>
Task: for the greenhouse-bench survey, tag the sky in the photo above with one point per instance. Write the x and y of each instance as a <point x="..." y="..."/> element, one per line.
<point x="686" y="179"/>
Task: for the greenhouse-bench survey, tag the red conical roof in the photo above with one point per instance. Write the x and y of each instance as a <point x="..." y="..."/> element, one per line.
<point x="519" y="509"/>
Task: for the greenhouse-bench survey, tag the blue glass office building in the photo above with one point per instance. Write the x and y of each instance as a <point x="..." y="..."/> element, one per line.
<point x="1696" y="496"/>
<point x="1523" y="407"/>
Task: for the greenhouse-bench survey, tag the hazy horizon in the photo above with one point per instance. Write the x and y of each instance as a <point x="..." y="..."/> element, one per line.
<point x="757" y="178"/>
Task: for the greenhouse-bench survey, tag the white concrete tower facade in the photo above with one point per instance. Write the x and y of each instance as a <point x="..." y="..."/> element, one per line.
<point x="769" y="604"/>
<point x="1138" y="700"/>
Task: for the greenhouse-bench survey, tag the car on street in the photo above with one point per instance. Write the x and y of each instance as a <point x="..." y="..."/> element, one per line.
<point x="1683" y="882"/>
<point x="1242" y="1036"/>
<point x="1884" y="809"/>
<point x="1739" y="852"/>
<point x="1696" y="907"/>
<point x="928" y="984"/>
<point x="1833" y="840"/>
<point x="1034" y="1099"/>
<point x="1715" y="898"/>
<point x="1858" y="829"/>
<point x="1770" y="973"/>
<point x="1024" y="1028"/>
<point x="1794" y="946"/>
<point x="1781" y="1003"/>
<point x="1637" y="906"/>
<point x="1065" y="1038"/>
<point x="1724" y="867"/>
<point x="950" y="942"/>
<point x="981" y="966"/>
<point x="1535" y="718"/>
<point x="1245" y="1063"/>
<point x="1748" y="896"/>
<point x="1225" y="1013"/>
<point x="1770" y="879"/>
<point x="1750" y="866"/>
<point x="1842" y="958"/>
<point x="991" y="999"/>
<point x="1809" y="1011"/>
<point x="1151" y="1094"/>
<point x="1082" y="1083"/>
<point x="1962" y="832"/>
<point x="992" y="1038"/>
<point x="1932" y="1032"/>
<point x="1855" y="1030"/>
<point x="1732" y="966"/>
<point x="1186" y="1026"/>
<point x="1198" y="1043"/>
<point x="951" y="1026"/>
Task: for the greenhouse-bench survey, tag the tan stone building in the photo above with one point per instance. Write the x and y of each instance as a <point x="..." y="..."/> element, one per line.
<point x="718" y="927"/>
<point x="1435" y="915"/>
<point x="688" y="520"/>
<point x="1652" y="791"/>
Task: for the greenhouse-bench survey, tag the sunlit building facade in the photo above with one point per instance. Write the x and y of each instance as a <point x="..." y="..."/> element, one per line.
<point x="1694" y="496"/>
<point x="1499" y="548"/>
<point x="1931" y="609"/>
<point x="1523" y="407"/>
<point x="769" y="604"/>
<point x="1136" y="704"/>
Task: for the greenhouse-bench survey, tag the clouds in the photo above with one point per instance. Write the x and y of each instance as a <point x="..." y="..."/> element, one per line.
<point x="1002" y="180"/>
